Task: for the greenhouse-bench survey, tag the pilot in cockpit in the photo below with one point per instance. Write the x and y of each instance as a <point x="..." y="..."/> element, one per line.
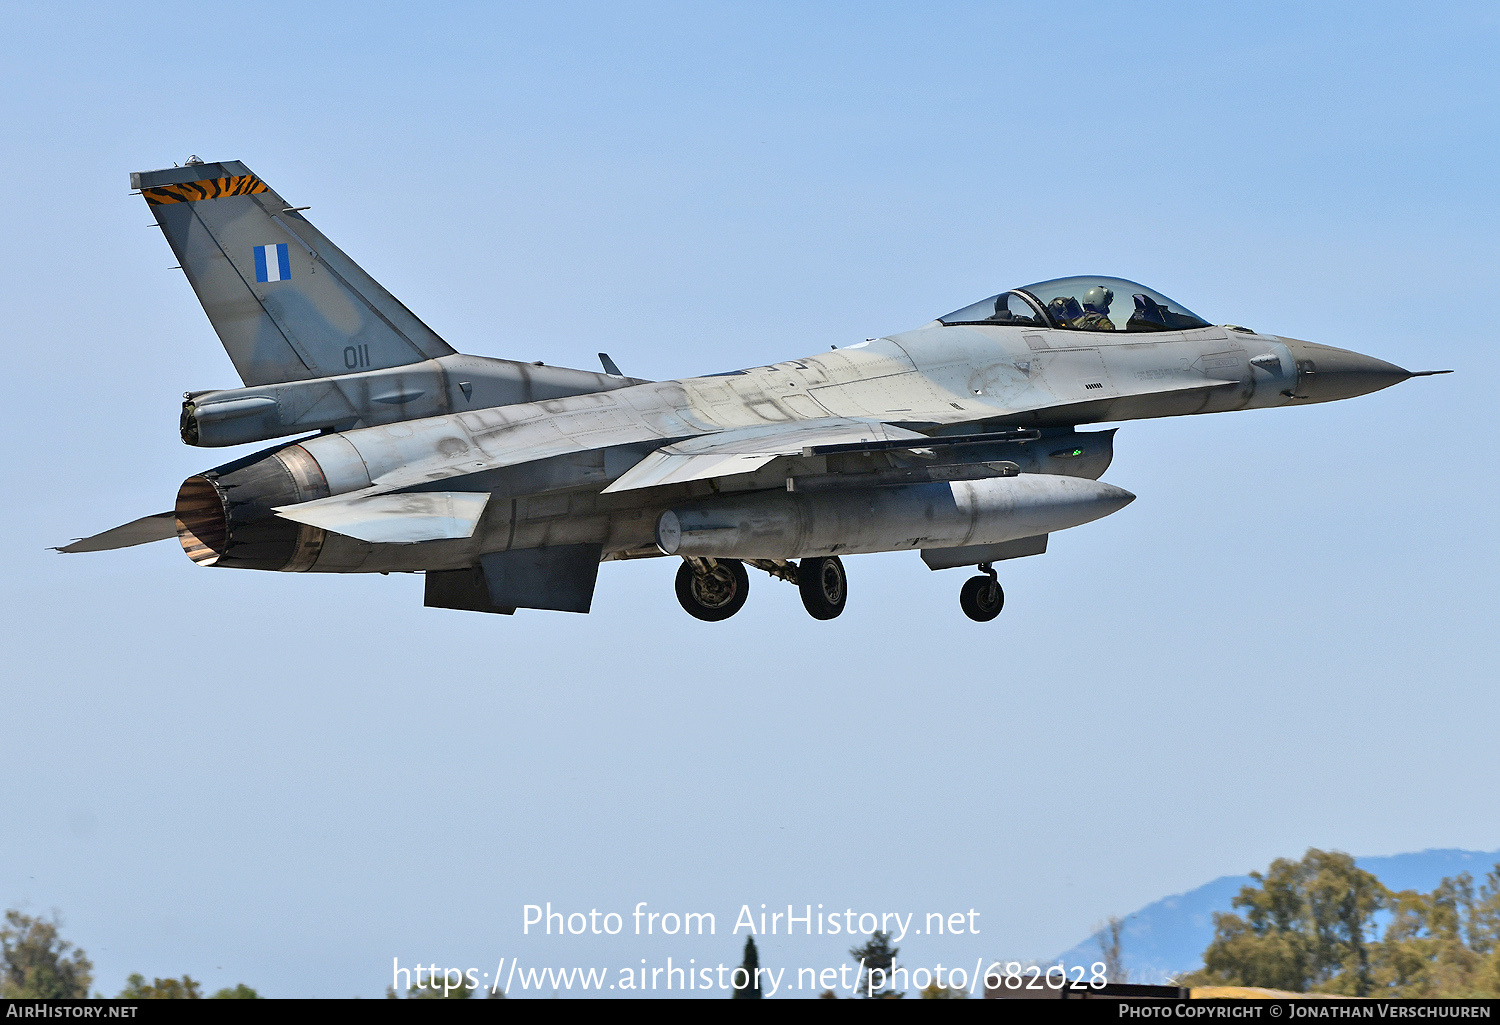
<point x="1096" y="310"/>
<point x="1064" y="311"/>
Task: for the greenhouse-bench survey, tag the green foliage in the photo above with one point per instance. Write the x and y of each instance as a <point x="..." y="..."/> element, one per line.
<point x="935" y="992"/>
<point x="751" y="964"/>
<point x="35" y="964"/>
<point x="1443" y="943"/>
<point x="185" y="988"/>
<point x="239" y="992"/>
<point x="1309" y="927"/>
<point x="439" y="993"/>
<point x="877" y="955"/>
<point x="430" y="992"/>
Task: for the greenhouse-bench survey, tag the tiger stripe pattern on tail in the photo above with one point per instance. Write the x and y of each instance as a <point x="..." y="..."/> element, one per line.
<point x="209" y="188"/>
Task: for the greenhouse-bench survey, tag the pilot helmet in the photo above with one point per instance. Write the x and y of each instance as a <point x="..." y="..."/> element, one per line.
<point x="1064" y="309"/>
<point x="1098" y="299"/>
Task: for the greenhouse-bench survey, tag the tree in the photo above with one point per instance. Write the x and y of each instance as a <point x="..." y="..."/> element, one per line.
<point x="36" y="963"/>
<point x="1484" y="921"/>
<point x="1109" y="948"/>
<point x="185" y="988"/>
<point x="1443" y="943"/>
<point x="239" y="992"/>
<point x="932" y="991"/>
<point x="1308" y="925"/>
<point x="751" y="964"/>
<point x="876" y="954"/>
<point x="431" y="992"/>
<point x="439" y="993"/>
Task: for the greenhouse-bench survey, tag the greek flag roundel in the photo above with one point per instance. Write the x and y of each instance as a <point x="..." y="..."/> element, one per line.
<point x="273" y="263"/>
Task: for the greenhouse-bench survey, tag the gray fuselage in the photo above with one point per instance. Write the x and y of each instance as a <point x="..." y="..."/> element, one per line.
<point x="545" y="463"/>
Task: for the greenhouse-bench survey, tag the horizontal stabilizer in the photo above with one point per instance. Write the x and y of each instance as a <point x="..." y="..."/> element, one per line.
<point x="157" y="527"/>
<point x="748" y="449"/>
<point x="397" y="519"/>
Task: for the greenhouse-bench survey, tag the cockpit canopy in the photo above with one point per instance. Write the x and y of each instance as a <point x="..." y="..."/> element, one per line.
<point x="1080" y="304"/>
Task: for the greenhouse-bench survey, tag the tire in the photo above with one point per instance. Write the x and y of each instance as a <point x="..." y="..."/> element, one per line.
<point x="716" y="595"/>
<point x="824" y="586"/>
<point x="982" y="598"/>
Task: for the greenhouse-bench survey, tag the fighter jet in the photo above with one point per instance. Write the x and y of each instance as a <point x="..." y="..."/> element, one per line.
<point x="508" y="483"/>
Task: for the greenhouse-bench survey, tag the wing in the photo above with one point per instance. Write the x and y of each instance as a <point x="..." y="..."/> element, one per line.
<point x="547" y="440"/>
<point x="382" y="513"/>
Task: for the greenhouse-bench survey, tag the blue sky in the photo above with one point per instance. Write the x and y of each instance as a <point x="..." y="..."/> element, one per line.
<point x="1287" y="641"/>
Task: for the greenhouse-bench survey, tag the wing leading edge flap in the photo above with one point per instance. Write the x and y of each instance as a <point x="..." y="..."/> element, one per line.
<point x="747" y="450"/>
<point x="399" y="519"/>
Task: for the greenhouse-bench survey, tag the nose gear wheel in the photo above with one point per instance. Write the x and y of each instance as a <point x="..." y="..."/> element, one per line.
<point x="982" y="597"/>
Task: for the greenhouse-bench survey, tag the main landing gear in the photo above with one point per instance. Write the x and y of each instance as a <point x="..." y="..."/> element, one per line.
<point x="712" y="589"/>
<point x="824" y="586"/>
<point x="715" y="589"/>
<point x="982" y="598"/>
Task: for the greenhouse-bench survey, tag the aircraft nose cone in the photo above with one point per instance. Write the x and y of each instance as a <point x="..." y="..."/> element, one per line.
<point x="1325" y="373"/>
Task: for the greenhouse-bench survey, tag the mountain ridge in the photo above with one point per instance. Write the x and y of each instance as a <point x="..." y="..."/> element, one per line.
<point x="1168" y="936"/>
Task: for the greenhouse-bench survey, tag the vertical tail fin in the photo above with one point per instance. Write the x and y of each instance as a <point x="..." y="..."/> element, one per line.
<point x="286" y="302"/>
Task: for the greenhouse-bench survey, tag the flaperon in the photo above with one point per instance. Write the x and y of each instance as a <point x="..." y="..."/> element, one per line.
<point x="507" y="483"/>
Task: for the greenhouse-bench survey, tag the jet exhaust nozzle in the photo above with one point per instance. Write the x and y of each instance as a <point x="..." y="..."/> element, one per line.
<point x="224" y="516"/>
<point x="949" y="515"/>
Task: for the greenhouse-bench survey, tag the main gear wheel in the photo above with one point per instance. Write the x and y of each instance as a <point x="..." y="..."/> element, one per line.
<point x="824" y="586"/>
<point x="713" y="593"/>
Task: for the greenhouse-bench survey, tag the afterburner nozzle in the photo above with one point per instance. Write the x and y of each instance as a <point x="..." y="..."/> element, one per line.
<point x="226" y="516"/>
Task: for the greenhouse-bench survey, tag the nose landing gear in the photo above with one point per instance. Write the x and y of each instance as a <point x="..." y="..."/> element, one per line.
<point x="982" y="598"/>
<point x="712" y="589"/>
